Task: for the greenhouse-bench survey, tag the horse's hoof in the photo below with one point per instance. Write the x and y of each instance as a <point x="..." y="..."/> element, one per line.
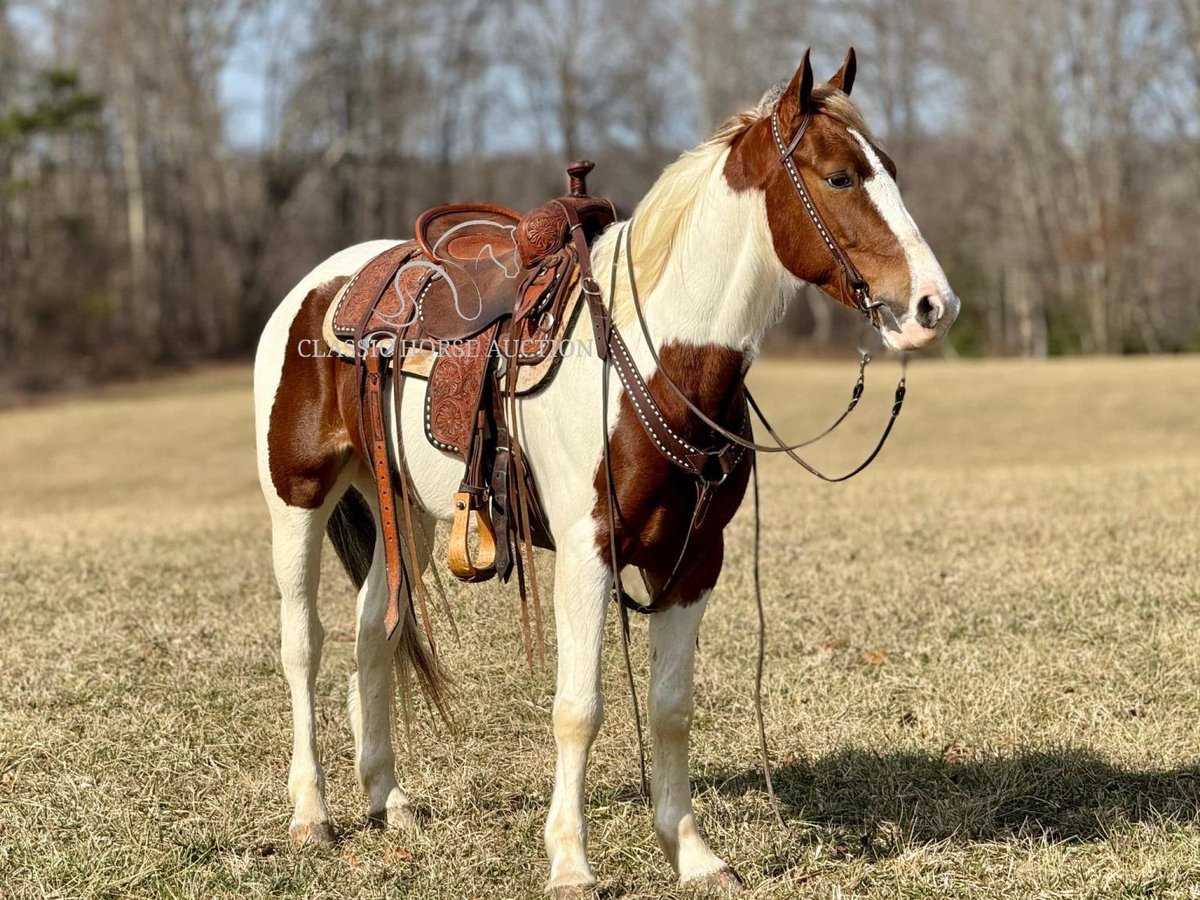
<point x="722" y="883"/>
<point x="574" y="892"/>
<point x="312" y="834"/>
<point x="401" y="817"/>
<point x="397" y="817"/>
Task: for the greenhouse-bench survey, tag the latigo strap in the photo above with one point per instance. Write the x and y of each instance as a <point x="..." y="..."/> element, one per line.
<point x="376" y="441"/>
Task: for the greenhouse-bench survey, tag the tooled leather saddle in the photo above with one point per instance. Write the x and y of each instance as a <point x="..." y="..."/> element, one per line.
<point x="477" y="304"/>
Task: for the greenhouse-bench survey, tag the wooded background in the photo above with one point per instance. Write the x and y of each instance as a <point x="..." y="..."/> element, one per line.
<point x="169" y="168"/>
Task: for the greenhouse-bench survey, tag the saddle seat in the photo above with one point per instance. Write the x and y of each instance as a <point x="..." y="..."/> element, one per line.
<point x="476" y="270"/>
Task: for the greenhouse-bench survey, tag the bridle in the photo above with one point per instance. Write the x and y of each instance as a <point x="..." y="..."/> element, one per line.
<point x="863" y="303"/>
<point x="860" y="290"/>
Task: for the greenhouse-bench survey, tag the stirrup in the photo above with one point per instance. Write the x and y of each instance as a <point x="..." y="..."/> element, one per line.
<point x="458" y="554"/>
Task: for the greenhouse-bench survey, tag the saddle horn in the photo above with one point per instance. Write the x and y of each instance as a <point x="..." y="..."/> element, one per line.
<point x="577" y="173"/>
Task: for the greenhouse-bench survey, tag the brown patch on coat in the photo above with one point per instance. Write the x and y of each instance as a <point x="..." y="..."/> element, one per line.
<point x="857" y="226"/>
<point x="655" y="499"/>
<point x="313" y="429"/>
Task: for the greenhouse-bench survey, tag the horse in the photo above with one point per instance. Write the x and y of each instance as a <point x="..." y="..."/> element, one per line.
<point x="719" y="246"/>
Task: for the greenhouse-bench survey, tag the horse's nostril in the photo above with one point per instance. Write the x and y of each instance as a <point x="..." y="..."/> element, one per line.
<point x="928" y="312"/>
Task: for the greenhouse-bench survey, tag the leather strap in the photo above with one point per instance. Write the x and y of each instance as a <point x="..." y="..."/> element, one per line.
<point x="501" y="462"/>
<point x="704" y="495"/>
<point x="407" y="501"/>
<point x="611" y="346"/>
<point x="472" y="492"/>
<point x="854" y="280"/>
<point x="522" y="482"/>
<point x="377" y="447"/>
<point x="779" y="446"/>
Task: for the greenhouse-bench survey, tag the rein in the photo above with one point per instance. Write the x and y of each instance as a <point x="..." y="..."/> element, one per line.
<point x="780" y="445"/>
<point x="710" y="467"/>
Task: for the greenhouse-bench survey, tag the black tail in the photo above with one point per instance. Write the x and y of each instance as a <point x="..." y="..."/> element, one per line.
<point x="351" y="530"/>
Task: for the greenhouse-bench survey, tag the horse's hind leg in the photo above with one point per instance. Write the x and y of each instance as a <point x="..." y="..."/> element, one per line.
<point x="372" y="686"/>
<point x="296" y="550"/>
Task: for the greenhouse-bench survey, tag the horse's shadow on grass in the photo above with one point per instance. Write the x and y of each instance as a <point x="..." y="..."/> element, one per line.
<point x="1061" y="795"/>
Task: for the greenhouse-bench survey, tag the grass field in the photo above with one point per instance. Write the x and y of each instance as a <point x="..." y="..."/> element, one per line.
<point x="983" y="675"/>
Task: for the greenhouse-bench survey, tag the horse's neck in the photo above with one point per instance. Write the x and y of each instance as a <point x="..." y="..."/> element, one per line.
<point x="720" y="291"/>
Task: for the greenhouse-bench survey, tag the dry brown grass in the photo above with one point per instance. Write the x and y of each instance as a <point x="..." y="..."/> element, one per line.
<point x="982" y="682"/>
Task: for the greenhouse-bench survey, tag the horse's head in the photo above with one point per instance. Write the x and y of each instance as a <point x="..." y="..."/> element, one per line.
<point x="835" y="213"/>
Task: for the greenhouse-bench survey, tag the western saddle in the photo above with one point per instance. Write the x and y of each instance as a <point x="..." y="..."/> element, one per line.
<point x="477" y="304"/>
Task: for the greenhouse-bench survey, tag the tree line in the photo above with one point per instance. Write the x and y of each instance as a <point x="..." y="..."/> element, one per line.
<point x="169" y="169"/>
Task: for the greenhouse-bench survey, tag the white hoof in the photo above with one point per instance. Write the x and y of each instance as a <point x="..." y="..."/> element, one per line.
<point x="722" y="883"/>
<point x="312" y="834"/>
<point x="401" y="817"/>
<point x="573" y="892"/>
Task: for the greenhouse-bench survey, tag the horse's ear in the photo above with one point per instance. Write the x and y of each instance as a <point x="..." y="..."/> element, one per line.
<point x="797" y="99"/>
<point x="843" y="79"/>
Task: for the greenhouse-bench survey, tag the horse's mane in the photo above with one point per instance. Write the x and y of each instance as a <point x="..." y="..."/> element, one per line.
<point x="672" y="201"/>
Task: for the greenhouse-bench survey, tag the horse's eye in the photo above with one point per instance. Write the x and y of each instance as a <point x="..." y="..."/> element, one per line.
<point x="840" y="181"/>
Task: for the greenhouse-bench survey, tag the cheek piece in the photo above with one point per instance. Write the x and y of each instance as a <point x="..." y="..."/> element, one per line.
<point x="859" y="289"/>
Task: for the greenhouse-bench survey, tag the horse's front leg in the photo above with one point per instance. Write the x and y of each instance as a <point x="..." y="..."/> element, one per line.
<point x="672" y="655"/>
<point x="580" y="582"/>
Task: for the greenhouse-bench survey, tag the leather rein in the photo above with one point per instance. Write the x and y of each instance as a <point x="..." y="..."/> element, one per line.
<point x="710" y="467"/>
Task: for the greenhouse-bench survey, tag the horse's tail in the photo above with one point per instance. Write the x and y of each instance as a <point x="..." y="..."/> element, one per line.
<point x="351" y="530"/>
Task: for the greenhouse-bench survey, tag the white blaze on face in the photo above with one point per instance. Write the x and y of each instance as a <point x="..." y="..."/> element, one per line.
<point x="926" y="276"/>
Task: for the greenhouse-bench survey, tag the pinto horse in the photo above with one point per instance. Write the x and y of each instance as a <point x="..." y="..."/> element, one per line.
<point x="718" y="247"/>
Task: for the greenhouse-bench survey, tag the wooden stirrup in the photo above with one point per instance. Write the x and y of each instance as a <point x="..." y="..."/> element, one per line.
<point x="458" y="555"/>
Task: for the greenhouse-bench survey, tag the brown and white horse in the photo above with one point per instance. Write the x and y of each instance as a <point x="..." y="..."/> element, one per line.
<point x="719" y="245"/>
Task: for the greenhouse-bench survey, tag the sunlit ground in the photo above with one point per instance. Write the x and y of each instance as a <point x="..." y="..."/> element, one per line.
<point x="983" y="674"/>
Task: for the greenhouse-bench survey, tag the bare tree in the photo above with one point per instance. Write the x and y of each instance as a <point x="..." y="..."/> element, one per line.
<point x="1051" y="152"/>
